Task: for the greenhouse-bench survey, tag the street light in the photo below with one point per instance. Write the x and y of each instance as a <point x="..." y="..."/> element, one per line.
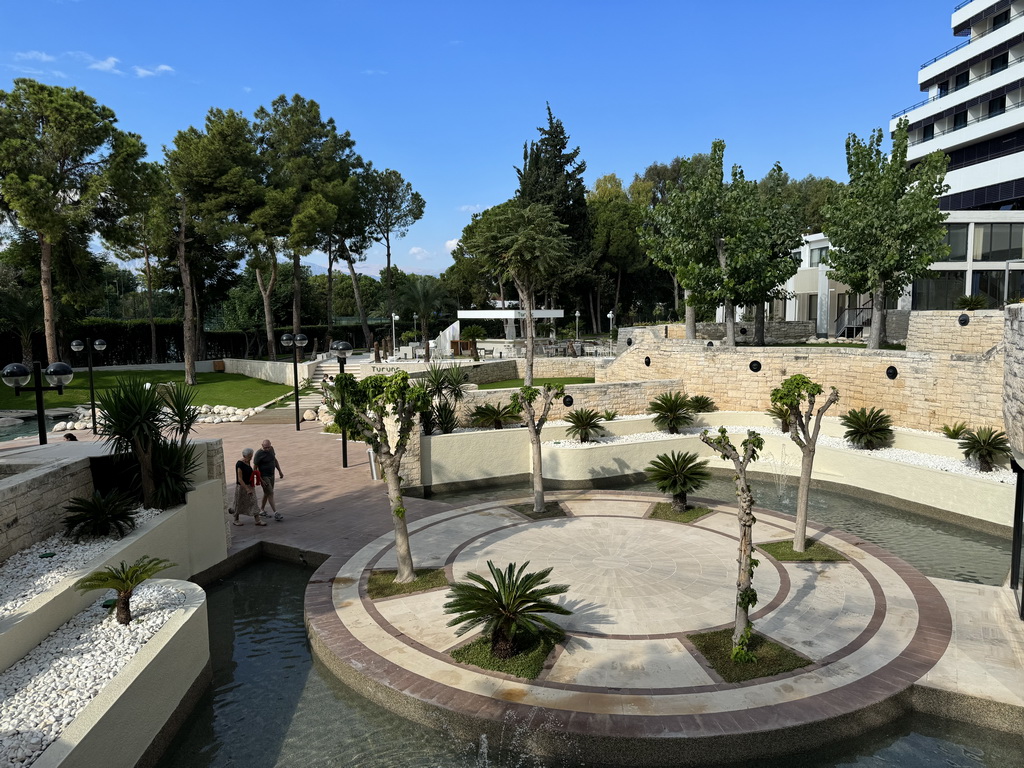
<point x="298" y="340"/>
<point x="342" y="348"/>
<point x="99" y="345"/>
<point x="58" y="375"/>
<point x="611" y="321"/>
<point x="577" y="325"/>
<point x="394" y="340"/>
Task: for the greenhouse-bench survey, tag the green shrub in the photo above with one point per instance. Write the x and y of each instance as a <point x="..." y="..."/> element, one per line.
<point x="123" y="579"/>
<point x="955" y="431"/>
<point x="978" y="301"/>
<point x="678" y="474"/>
<point x="584" y="423"/>
<point x="866" y="429"/>
<point x="671" y="411"/>
<point x="609" y="415"/>
<point x="702" y="404"/>
<point x="494" y="416"/>
<point x="100" y="515"/>
<point x="780" y="413"/>
<point x="986" y="445"/>
<point x="446" y="417"/>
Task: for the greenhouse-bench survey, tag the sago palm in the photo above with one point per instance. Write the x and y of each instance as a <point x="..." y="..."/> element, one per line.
<point x="123" y="579"/>
<point x="868" y="429"/>
<point x="511" y="605"/>
<point x="671" y="411"/>
<point x="678" y="474"/>
<point x="702" y="404"/>
<point x="780" y="413"/>
<point x="494" y="416"/>
<point x="986" y="445"/>
<point x="584" y="423"/>
<point x="100" y="515"/>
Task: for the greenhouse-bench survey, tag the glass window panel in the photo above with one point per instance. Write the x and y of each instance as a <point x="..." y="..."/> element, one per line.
<point x="988" y="283"/>
<point x="956" y="239"/>
<point x="959" y="120"/>
<point x="939" y="290"/>
<point x="812" y="306"/>
<point x="1016" y="291"/>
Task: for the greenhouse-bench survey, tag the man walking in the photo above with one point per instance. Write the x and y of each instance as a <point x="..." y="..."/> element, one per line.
<point x="266" y="462"/>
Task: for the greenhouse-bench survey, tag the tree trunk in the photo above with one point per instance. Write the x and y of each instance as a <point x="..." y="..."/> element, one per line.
<point x="690" y="315"/>
<point x="49" y="312"/>
<point x="26" y="349"/>
<point x="618" y="288"/>
<point x="268" y="312"/>
<point x="877" y="318"/>
<point x="679" y="502"/>
<point x="387" y="283"/>
<point x="123" y="608"/>
<point x="759" y="324"/>
<point x="675" y="295"/>
<point x="502" y="646"/>
<point x="149" y="307"/>
<point x="526" y="300"/>
<point x="426" y="341"/>
<point x="296" y="295"/>
<point x="346" y="254"/>
<point x="188" y="320"/>
<point x="330" y="292"/>
<point x="727" y="307"/>
<point x="537" y="461"/>
<point x="802" y="494"/>
<point x="403" y="553"/>
<point x="745" y="577"/>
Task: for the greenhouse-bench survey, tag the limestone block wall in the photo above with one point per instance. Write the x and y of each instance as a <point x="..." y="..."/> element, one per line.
<point x="1013" y="379"/>
<point x="897" y="324"/>
<point x="775" y="331"/>
<point x="931" y="389"/>
<point x="556" y="367"/>
<point x="32" y="500"/>
<point x="625" y="398"/>
<point x="939" y="331"/>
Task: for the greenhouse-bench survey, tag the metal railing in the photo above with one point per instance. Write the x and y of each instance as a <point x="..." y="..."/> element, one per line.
<point x="971" y="39"/>
<point x="973" y="80"/>
<point x="851" y="320"/>
<point x="962" y="5"/>
<point x="972" y="121"/>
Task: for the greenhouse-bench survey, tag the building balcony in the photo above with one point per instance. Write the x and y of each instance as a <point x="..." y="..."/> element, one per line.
<point x="933" y="68"/>
<point x="977" y="86"/>
<point x="974" y="130"/>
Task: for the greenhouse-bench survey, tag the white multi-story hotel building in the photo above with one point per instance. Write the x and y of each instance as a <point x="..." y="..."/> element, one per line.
<point x="974" y="112"/>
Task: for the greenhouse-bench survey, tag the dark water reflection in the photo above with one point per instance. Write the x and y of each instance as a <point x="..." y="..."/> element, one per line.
<point x="270" y="705"/>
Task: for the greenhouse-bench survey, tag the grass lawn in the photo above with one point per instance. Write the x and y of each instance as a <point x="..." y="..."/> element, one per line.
<point x="772" y="658"/>
<point x="814" y="551"/>
<point x="551" y="509"/>
<point x="212" y="389"/>
<point x="516" y="383"/>
<point x="526" y="664"/>
<point x="382" y="583"/>
<point x="663" y="511"/>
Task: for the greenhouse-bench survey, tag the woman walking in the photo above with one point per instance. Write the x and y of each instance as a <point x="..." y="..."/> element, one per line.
<point x="245" y="489"/>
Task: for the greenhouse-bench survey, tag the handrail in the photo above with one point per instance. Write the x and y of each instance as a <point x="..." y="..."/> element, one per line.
<point x="853" y="317"/>
<point x="964" y="3"/>
<point x="978" y="36"/>
<point x="972" y="81"/>
<point x="972" y="121"/>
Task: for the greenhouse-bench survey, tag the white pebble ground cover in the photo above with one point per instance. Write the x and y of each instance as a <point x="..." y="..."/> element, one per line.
<point x="45" y="691"/>
<point x="25" y="574"/>
<point x="942" y="463"/>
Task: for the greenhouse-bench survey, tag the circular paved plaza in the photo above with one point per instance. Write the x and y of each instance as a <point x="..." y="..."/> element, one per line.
<point x="627" y="686"/>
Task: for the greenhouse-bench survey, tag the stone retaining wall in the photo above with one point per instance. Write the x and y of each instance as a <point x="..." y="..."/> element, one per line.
<point x="1013" y="379"/>
<point x="940" y="331"/>
<point x="775" y="331"/>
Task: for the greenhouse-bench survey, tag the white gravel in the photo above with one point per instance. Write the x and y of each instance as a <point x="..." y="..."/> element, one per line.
<point x="25" y="574"/>
<point x="942" y="463"/>
<point x="45" y="691"/>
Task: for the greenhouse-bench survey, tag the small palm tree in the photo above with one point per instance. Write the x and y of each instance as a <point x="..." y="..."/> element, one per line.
<point x="671" y="411"/>
<point x="508" y="607"/>
<point x="446" y="417"/>
<point x="969" y="303"/>
<point x="986" y="445"/>
<point x="868" y="429"/>
<point x="132" y="420"/>
<point x="780" y="413"/>
<point x="181" y="411"/>
<point x="678" y="474"/>
<point x="955" y="431"/>
<point x="609" y="415"/>
<point x="584" y="423"/>
<point x="702" y="404"/>
<point x="493" y="416"/>
<point x="123" y="579"/>
<point x="99" y="515"/>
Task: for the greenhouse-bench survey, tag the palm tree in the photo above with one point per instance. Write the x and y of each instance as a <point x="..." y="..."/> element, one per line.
<point x="986" y="445"/>
<point x="423" y="295"/>
<point x="678" y="474"/>
<point x="23" y="311"/>
<point x="671" y="411"/>
<point x="99" y="514"/>
<point x="493" y="416"/>
<point x="132" y="420"/>
<point x="584" y="423"/>
<point x="867" y="429"/>
<point x="510" y="606"/>
<point x="123" y="579"/>
<point x="182" y="413"/>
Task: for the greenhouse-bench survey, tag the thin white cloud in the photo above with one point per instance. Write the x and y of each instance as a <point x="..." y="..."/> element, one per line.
<point x="33" y="56"/>
<point x="58" y="73"/>
<point x="475" y="208"/>
<point x="31" y="71"/>
<point x="420" y="254"/>
<point x="160" y="70"/>
<point x="451" y="245"/>
<point x="109" y="64"/>
<point x="374" y="72"/>
<point x="247" y="89"/>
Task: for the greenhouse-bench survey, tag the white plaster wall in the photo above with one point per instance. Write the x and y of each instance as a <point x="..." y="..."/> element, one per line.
<point x="279" y="372"/>
<point x="117" y="727"/>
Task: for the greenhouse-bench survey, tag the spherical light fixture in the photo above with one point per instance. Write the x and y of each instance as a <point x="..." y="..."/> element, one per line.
<point x="300" y="340"/>
<point x="99" y="345"/>
<point x="77" y="345"/>
<point x="287" y="340"/>
<point x="16" y="375"/>
<point x="59" y="374"/>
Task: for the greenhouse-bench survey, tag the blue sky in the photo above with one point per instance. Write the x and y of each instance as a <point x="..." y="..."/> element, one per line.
<point x="446" y="93"/>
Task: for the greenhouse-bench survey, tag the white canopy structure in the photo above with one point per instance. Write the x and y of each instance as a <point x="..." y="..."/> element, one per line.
<point x="509" y="316"/>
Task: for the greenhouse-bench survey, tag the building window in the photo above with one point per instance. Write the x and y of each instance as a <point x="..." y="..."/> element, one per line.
<point x="812" y="307"/>
<point x="943" y="88"/>
<point x="928" y="132"/>
<point x="956" y="239"/>
<point x="1001" y="19"/>
<point x="962" y="80"/>
<point x="998" y="242"/>
<point x="988" y="284"/>
<point x="996" y="106"/>
<point x="998" y="63"/>
<point x="959" y="120"/>
<point x="939" y="290"/>
<point x="817" y="255"/>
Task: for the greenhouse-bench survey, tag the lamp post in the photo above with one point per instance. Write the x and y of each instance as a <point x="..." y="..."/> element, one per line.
<point x="58" y="374"/>
<point x="99" y="345"/>
<point x="611" y="322"/>
<point x="342" y="348"/>
<point x="415" y="324"/>
<point x="577" y="325"/>
<point x="394" y="340"/>
<point x="296" y="342"/>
